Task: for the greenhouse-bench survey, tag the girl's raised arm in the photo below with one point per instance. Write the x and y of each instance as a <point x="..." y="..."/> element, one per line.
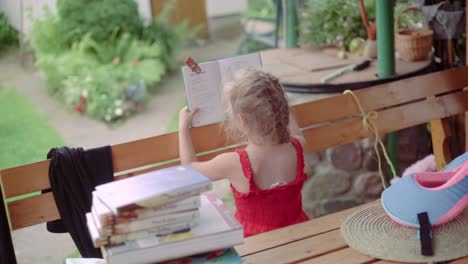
<point x="186" y="151"/>
<point x="217" y="168"/>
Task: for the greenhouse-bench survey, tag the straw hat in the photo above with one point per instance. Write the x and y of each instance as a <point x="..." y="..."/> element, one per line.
<point x="373" y="233"/>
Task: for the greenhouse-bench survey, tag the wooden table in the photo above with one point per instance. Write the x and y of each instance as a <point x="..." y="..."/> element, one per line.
<point x="316" y="241"/>
<point x="301" y="69"/>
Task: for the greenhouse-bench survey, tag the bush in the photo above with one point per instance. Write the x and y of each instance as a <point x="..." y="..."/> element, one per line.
<point x="260" y="9"/>
<point x="106" y="80"/>
<point x="337" y="22"/>
<point x="45" y="37"/>
<point x="107" y="77"/>
<point x="333" y="22"/>
<point x="171" y="38"/>
<point x="8" y="35"/>
<point x="98" y="18"/>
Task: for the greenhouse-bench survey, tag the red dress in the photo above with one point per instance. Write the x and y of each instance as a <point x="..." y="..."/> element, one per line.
<point x="264" y="210"/>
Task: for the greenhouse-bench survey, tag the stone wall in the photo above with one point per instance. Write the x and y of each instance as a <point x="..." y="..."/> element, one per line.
<point x="346" y="176"/>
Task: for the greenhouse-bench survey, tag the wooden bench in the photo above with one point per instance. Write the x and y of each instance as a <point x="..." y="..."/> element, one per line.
<point x="326" y="123"/>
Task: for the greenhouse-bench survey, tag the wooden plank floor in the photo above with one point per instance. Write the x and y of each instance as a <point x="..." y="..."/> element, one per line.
<point x="317" y="241"/>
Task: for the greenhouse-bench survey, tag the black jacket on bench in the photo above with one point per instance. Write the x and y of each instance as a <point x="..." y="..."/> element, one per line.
<point x="73" y="174"/>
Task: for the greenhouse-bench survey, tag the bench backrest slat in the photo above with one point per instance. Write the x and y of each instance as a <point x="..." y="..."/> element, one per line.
<point x="389" y="120"/>
<point x="32" y="211"/>
<point x="328" y="122"/>
<point x="165" y="147"/>
<point x="25" y="179"/>
<point x="382" y="96"/>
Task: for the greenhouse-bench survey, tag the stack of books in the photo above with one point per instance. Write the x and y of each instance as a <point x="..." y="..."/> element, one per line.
<point x="161" y="216"/>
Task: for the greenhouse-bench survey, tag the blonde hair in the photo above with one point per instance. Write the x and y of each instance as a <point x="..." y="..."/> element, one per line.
<point x="258" y="108"/>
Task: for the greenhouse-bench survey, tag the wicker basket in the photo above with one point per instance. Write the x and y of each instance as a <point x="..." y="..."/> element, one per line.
<point x="412" y="45"/>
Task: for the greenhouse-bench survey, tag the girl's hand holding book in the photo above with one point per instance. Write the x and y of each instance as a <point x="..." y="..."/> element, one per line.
<point x="185" y="117"/>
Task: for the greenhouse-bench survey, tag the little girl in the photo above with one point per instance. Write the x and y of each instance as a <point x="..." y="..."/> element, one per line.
<point x="266" y="175"/>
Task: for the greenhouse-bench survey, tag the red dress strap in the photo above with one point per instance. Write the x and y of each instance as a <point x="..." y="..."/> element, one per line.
<point x="246" y="168"/>
<point x="300" y="157"/>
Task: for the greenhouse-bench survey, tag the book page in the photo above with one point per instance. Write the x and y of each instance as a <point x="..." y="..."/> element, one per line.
<point x="229" y="66"/>
<point x="203" y="92"/>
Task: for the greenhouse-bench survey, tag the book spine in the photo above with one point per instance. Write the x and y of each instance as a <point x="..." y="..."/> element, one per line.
<point x="102" y="230"/>
<point x="162" y="238"/>
<point x="162" y="233"/>
<point x="103" y="214"/>
<point x="164" y="199"/>
<point x="93" y="232"/>
<point x="176" y="207"/>
<point x="158" y="221"/>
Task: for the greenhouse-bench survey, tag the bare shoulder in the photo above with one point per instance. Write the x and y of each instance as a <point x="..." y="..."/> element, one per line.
<point x="227" y="156"/>
<point x="230" y="163"/>
<point x="228" y="160"/>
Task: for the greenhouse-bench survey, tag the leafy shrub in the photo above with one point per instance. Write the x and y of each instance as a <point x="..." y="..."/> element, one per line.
<point x="106" y="80"/>
<point x="170" y="37"/>
<point x="45" y="37"/>
<point x="333" y="22"/>
<point x="337" y="22"/>
<point x="98" y="18"/>
<point x="107" y="77"/>
<point x="260" y="9"/>
<point x="56" y="67"/>
<point x="8" y="35"/>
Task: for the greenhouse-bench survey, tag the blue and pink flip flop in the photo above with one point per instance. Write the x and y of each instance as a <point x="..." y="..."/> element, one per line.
<point x="442" y="195"/>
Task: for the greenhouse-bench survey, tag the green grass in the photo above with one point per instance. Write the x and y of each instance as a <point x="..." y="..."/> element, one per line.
<point x="25" y="135"/>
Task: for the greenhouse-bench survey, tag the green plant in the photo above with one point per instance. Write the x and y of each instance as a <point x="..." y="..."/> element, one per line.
<point x="410" y="19"/>
<point x="106" y="80"/>
<point x="98" y="18"/>
<point x="460" y="49"/>
<point x="333" y="22"/>
<point x="56" y="67"/>
<point x="111" y="91"/>
<point x="45" y="37"/>
<point x="338" y="22"/>
<point x="105" y="72"/>
<point x="260" y="9"/>
<point x="8" y="35"/>
<point x="171" y="38"/>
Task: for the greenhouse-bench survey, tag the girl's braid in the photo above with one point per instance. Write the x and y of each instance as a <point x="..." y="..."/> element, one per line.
<point x="279" y="108"/>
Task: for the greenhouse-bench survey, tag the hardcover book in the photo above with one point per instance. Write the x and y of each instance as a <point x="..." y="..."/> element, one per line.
<point x="217" y="229"/>
<point x="106" y="218"/>
<point x="152" y="189"/>
<point x="169" y="233"/>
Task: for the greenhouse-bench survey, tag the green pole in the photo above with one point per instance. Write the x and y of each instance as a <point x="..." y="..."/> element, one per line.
<point x="386" y="59"/>
<point x="291" y="23"/>
<point x="385" y="38"/>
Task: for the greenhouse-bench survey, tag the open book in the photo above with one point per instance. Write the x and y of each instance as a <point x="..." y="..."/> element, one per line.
<point x="204" y="90"/>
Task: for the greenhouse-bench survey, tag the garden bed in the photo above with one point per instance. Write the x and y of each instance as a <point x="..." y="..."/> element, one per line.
<point x="101" y="60"/>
